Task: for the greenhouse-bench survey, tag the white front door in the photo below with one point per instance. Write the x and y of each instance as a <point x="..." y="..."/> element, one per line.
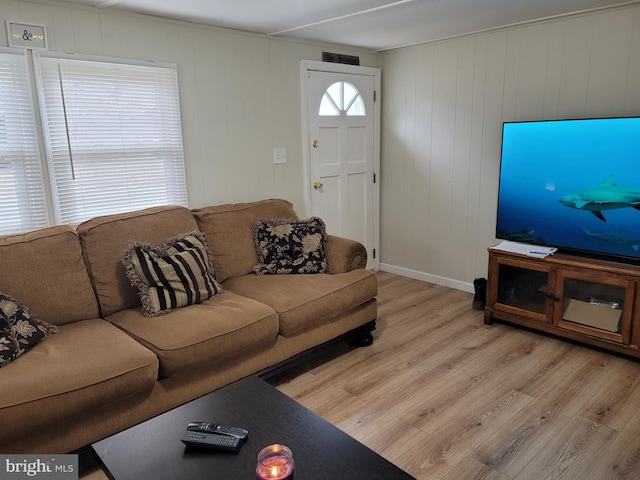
<point x="341" y="151"/>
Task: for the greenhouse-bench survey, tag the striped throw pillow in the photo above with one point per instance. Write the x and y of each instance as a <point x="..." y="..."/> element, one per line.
<point x="171" y="276"/>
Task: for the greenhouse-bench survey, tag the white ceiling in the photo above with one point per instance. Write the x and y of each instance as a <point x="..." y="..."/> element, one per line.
<point x="374" y="24"/>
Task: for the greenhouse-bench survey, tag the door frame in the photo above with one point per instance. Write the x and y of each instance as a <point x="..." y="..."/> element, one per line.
<point x="313" y="65"/>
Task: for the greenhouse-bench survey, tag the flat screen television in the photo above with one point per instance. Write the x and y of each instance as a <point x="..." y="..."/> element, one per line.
<point x="572" y="184"/>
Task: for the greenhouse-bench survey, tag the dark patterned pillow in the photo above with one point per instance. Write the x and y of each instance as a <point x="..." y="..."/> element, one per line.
<point x="175" y="275"/>
<point x="20" y="330"/>
<point x="290" y="246"/>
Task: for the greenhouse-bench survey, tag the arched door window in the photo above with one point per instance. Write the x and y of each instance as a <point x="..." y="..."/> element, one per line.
<point x="342" y="97"/>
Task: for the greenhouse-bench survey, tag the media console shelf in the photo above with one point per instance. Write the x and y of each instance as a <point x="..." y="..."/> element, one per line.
<point x="587" y="300"/>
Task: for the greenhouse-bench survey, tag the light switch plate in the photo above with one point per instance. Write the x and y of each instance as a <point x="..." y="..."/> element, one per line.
<point x="279" y="155"/>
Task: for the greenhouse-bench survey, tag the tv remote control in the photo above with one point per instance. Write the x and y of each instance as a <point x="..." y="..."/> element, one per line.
<point x="207" y="427"/>
<point x="211" y="440"/>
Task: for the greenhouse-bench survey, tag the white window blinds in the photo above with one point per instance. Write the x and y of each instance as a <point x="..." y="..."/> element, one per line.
<point x="113" y="136"/>
<point x="22" y="197"/>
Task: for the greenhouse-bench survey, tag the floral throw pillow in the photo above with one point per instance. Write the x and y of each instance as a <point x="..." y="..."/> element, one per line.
<point x="290" y="246"/>
<point x="171" y="276"/>
<point x="20" y="330"/>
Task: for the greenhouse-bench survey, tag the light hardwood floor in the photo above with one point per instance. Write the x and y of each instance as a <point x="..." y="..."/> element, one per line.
<point x="444" y="396"/>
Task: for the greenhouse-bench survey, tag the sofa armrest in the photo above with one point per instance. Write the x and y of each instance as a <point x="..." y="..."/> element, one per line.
<point x="344" y="255"/>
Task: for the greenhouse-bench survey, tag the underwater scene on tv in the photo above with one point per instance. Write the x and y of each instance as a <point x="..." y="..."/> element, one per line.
<point x="572" y="184"/>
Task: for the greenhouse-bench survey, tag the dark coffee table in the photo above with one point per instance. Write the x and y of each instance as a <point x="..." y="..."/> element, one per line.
<point x="153" y="448"/>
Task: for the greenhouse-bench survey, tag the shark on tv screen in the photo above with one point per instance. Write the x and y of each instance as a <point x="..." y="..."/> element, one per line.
<point x="572" y="184"/>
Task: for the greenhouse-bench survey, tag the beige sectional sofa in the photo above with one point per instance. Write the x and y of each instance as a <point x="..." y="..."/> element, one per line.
<point x="109" y="367"/>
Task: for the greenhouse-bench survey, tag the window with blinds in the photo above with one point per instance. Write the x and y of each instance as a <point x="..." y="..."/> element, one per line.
<point x="113" y="135"/>
<point x="22" y="197"/>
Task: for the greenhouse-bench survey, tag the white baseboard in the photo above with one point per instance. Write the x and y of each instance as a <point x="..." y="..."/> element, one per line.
<point x="428" y="277"/>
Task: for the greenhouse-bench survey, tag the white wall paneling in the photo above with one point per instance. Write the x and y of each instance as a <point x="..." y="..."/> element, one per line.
<point x="442" y="113"/>
<point x="443" y="105"/>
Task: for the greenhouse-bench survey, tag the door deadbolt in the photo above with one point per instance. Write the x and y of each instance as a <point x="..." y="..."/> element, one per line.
<point x="315" y="144"/>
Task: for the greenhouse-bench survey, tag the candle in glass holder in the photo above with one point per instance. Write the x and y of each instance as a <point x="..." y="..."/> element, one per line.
<point x="275" y="462"/>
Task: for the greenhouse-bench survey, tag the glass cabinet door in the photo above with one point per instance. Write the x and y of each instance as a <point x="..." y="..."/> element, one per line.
<point x="522" y="288"/>
<point x="599" y="306"/>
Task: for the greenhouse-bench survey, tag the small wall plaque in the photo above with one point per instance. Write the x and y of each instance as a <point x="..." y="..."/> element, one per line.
<point x="27" y="35"/>
<point x="340" y="58"/>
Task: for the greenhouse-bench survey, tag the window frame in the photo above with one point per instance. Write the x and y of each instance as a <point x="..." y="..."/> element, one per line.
<point x="72" y="211"/>
<point x="30" y="208"/>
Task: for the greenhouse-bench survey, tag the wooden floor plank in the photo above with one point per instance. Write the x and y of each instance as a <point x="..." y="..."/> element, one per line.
<point x="617" y="401"/>
<point x="621" y="459"/>
<point x="470" y="469"/>
<point x="569" y="453"/>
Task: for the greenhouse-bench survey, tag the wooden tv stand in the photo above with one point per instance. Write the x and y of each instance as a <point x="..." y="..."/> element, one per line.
<point x="591" y="301"/>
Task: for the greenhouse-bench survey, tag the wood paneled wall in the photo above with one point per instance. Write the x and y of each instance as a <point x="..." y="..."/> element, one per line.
<point x="442" y="113"/>
<point x="239" y="92"/>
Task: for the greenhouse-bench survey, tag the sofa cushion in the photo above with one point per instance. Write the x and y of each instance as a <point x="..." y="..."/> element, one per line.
<point x="229" y="231"/>
<point x="85" y="366"/>
<point x="20" y="330"/>
<point x="314" y="297"/>
<point x="290" y="246"/>
<point x="214" y="330"/>
<point x="104" y="239"/>
<point x="44" y="269"/>
<point x="175" y="275"/>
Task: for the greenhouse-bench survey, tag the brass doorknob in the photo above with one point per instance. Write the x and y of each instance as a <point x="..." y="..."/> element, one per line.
<point x="318" y="185"/>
